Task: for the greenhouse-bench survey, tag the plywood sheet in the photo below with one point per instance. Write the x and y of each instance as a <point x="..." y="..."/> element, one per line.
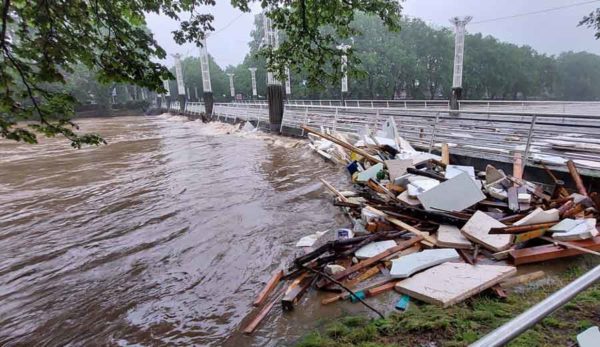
<point x="478" y="228"/>
<point x="450" y="236"/>
<point x="455" y="194"/>
<point x="409" y="264"/>
<point x="450" y="283"/>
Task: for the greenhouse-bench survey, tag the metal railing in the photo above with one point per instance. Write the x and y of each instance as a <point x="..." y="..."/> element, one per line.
<point x="194" y="107"/>
<point x="258" y="113"/>
<point x="494" y="135"/>
<point x="174" y="106"/>
<point x="515" y="327"/>
<point x="579" y="107"/>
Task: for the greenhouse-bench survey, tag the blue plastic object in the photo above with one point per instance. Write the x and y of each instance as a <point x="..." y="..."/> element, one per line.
<point x="403" y="303"/>
<point x="360" y="294"/>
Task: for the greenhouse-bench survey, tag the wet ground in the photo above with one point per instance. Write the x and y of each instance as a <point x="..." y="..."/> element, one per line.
<point x="162" y="237"/>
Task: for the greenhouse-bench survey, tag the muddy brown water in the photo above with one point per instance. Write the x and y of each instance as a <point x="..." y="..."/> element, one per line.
<point x="162" y="237"/>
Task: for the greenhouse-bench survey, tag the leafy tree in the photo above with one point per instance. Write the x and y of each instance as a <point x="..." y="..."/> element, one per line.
<point x="42" y="41"/>
<point x="578" y="74"/>
<point x="592" y="20"/>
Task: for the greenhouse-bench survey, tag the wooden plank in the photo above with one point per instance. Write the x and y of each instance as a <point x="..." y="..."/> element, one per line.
<point x="445" y="154"/>
<point x="271" y="284"/>
<point x="259" y="317"/>
<point x="369" y="262"/>
<point x="343" y="144"/>
<point x="362" y="277"/>
<point x="499" y="291"/>
<point x="381" y="289"/>
<point x="410" y="228"/>
<point x="295" y="291"/>
<point x="548" y="252"/>
<point x="518" y="165"/>
<point x="570" y="245"/>
<point x="450" y="283"/>
<point x="335" y="191"/>
<point x="521" y="229"/>
<point x="576" y="178"/>
<point x="530" y="235"/>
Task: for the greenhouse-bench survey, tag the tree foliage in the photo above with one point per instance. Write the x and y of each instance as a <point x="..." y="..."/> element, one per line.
<point x="416" y="62"/>
<point x="42" y="41"/>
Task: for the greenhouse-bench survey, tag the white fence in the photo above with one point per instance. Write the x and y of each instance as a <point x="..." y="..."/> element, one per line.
<point x="494" y="135"/>
<point x="579" y="107"/>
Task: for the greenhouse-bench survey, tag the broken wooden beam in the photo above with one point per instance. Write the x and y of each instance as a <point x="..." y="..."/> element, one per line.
<point x="271" y="284"/>
<point x="445" y="154"/>
<point x="570" y="245"/>
<point x="522" y="228"/>
<point x="333" y="190"/>
<point x="549" y="252"/>
<point x="295" y="291"/>
<point x="259" y="318"/>
<point x="576" y="178"/>
<point x="370" y="261"/>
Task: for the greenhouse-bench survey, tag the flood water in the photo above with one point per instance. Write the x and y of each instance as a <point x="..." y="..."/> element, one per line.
<point x="162" y="237"/>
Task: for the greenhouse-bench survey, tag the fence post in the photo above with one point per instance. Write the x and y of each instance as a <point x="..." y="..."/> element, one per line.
<point x="305" y="119"/>
<point x="335" y="119"/>
<point x="433" y="132"/>
<point x="529" y="136"/>
<point x="376" y="119"/>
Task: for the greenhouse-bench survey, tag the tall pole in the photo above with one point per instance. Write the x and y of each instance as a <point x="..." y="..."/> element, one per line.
<point x="253" y="74"/>
<point x="288" y="83"/>
<point x="167" y="94"/>
<point x="231" y="86"/>
<point x="459" y="49"/>
<point x="275" y="92"/>
<point x="344" y="49"/>
<point x="207" y="95"/>
<point x="180" y="84"/>
<point x="196" y="93"/>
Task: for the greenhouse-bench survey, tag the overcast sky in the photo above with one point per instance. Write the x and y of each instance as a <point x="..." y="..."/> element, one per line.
<point x="551" y="32"/>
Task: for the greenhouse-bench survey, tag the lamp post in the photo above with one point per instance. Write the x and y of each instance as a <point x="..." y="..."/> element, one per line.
<point x="167" y="94"/>
<point x="344" y="48"/>
<point x="207" y="93"/>
<point x="253" y="74"/>
<point x="275" y="92"/>
<point x="459" y="49"/>
<point x="180" y="85"/>
<point x="231" y="87"/>
<point x="288" y="83"/>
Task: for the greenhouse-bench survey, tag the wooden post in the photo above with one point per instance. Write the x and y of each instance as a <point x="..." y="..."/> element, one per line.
<point x="445" y="154"/>
<point x="576" y="178"/>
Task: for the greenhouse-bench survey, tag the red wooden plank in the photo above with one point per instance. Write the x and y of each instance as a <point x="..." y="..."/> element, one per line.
<point x="548" y="252"/>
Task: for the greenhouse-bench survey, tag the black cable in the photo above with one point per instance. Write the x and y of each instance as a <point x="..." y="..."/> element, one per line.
<point x="345" y="288"/>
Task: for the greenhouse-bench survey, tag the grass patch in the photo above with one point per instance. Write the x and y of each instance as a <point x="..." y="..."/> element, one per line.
<point x="466" y="322"/>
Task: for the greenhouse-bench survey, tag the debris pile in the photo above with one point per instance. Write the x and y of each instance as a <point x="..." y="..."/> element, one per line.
<point x="432" y="231"/>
